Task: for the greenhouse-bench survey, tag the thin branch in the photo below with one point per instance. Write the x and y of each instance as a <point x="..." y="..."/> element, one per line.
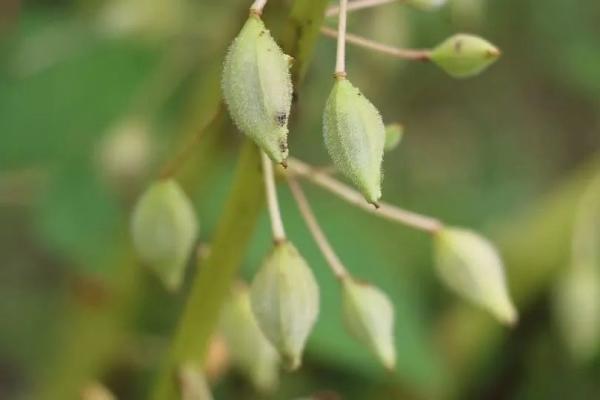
<point x="385" y="210"/>
<point x="257" y="7"/>
<point x="340" y="61"/>
<point x="357" y="5"/>
<point x="272" y="202"/>
<point x="406" y="54"/>
<point x="317" y="233"/>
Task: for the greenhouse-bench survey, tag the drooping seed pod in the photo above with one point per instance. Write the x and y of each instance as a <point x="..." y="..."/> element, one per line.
<point x="393" y="136"/>
<point x="257" y="88"/>
<point x="426" y="5"/>
<point x="470" y="266"/>
<point x="577" y="310"/>
<point x="250" y="350"/>
<point x="577" y="294"/>
<point x="369" y="316"/>
<point x="164" y="229"/>
<point x="463" y="56"/>
<point x="125" y="152"/>
<point x="285" y="300"/>
<point x="355" y="136"/>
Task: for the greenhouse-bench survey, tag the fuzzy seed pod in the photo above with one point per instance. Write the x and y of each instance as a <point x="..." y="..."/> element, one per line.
<point x="164" y="229"/>
<point x="285" y="300"/>
<point x="470" y="266"/>
<point x="426" y="5"/>
<point x="355" y="136"/>
<point x="250" y="350"/>
<point x="369" y="316"/>
<point x="463" y="56"/>
<point x="393" y="136"/>
<point x="257" y="88"/>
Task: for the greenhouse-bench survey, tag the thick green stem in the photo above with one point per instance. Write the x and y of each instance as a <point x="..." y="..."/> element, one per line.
<point x="212" y="283"/>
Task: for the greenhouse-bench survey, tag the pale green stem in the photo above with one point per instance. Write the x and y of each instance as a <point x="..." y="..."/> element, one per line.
<point x="272" y="203"/>
<point x="385" y="210"/>
<point x="397" y="52"/>
<point x="317" y="233"/>
<point x="340" y="61"/>
<point x="358" y="5"/>
<point x="257" y="6"/>
<point x="214" y="278"/>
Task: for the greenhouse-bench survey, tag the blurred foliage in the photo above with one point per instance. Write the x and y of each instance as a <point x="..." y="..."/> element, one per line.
<point x="482" y="153"/>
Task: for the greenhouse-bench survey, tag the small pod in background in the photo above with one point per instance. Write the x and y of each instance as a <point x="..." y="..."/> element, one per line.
<point x="164" y="230"/>
<point x="393" y="136"/>
<point x="257" y="88"/>
<point x="355" y="137"/>
<point x="369" y="316"/>
<point x="577" y="310"/>
<point x="250" y="350"/>
<point x="463" y="56"/>
<point x="285" y="301"/>
<point x="469" y="264"/>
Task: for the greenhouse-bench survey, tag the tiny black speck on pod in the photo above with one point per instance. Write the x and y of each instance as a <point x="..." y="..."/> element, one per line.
<point x="257" y="88"/>
<point x="355" y="136"/>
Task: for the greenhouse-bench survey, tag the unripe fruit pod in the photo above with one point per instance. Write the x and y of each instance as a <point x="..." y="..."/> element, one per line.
<point x="393" y="136"/>
<point x="426" y="5"/>
<point x="469" y="265"/>
<point x="369" y="316"/>
<point x="285" y="300"/>
<point x="164" y="229"/>
<point x="257" y="88"/>
<point x="250" y="350"/>
<point x="463" y="56"/>
<point x="577" y="310"/>
<point x="355" y="136"/>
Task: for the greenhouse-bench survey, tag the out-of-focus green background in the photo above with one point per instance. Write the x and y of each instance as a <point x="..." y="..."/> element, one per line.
<point x="96" y="95"/>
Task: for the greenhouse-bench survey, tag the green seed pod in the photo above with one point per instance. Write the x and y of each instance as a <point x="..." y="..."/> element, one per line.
<point x="426" y="5"/>
<point x="164" y="228"/>
<point x="470" y="266"/>
<point x="463" y="56"/>
<point x="355" y="136"/>
<point x="393" y="136"/>
<point x="577" y="296"/>
<point x="257" y="88"/>
<point x="250" y="350"/>
<point x="369" y="316"/>
<point x="285" y="300"/>
<point x="577" y="310"/>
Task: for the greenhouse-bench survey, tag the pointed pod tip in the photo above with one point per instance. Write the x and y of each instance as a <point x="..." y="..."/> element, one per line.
<point x="494" y="53"/>
<point x="291" y="362"/>
<point x="508" y="316"/>
<point x="390" y="365"/>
